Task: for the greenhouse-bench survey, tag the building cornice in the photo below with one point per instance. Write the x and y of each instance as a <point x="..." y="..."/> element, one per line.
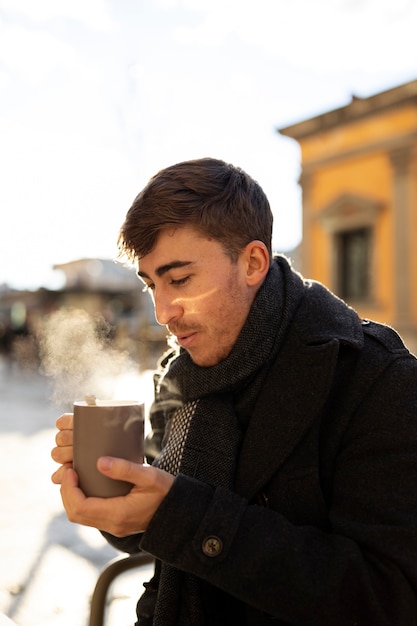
<point x="357" y="109"/>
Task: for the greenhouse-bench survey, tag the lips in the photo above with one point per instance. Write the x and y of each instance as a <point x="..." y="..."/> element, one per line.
<point x="186" y="340"/>
<point x="184" y="335"/>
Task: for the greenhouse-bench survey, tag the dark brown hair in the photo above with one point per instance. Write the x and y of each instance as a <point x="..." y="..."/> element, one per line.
<point x="218" y="199"/>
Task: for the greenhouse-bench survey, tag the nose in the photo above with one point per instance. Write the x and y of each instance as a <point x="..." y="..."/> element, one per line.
<point x="167" y="309"/>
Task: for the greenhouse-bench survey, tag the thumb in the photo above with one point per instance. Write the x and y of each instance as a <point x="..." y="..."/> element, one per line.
<point x="145" y="477"/>
<point x="119" y="469"/>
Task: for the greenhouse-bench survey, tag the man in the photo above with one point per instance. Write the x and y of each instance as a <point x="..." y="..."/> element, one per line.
<point x="285" y="491"/>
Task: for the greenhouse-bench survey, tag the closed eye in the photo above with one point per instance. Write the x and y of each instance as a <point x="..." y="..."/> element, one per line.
<point x="147" y="288"/>
<point x="179" y="281"/>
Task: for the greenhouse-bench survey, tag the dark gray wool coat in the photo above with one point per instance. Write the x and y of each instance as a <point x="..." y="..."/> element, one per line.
<point x="321" y="527"/>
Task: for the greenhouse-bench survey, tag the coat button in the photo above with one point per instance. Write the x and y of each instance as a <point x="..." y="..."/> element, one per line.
<point x="212" y="546"/>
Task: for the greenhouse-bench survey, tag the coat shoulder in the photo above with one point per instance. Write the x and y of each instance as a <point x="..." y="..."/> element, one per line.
<point x="385" y="336"/>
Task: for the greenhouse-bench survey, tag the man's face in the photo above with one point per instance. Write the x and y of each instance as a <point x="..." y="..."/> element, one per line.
<point x="198" y="292"/>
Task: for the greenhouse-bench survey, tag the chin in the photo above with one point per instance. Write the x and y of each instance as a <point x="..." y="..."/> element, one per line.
<point x="208" y="360"/>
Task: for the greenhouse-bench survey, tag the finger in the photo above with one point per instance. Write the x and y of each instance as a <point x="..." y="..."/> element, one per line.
<point x="59" y="474"/>
<point x="121" y="469"/>
<point x="62" y="454"/>
<point x="70" y="478"/>
<point x="64" y="438"/>
<point x="65" y="421"/>
<point x="145" y="478"/>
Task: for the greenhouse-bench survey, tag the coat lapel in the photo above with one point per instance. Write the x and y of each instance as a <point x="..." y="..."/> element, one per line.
<point x="292" y="396"/>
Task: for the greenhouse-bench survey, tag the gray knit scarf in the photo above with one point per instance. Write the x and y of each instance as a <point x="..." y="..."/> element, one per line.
<point x="205" y="412"/>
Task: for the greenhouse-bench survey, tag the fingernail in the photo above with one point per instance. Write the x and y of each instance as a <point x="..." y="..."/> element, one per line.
<point x="105" y="463"/>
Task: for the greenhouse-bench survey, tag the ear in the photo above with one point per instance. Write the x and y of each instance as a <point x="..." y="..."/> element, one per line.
<point x="257" y="263"/>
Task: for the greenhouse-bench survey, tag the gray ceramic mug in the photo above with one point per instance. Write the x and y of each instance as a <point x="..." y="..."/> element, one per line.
<point x="106" y="429"/>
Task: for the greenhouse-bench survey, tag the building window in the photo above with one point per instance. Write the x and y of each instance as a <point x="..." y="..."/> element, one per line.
<point x="353" y="250"/>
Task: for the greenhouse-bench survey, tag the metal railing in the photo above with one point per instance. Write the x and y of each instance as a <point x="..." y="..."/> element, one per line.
<point x="116" y="567"/>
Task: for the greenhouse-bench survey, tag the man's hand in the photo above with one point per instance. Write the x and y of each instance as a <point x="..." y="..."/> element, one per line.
<point x="121" y="516"/>
<point x="124" y="515"/>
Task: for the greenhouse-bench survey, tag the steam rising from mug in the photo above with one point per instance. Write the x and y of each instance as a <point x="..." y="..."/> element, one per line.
<point x="76" y="354"/>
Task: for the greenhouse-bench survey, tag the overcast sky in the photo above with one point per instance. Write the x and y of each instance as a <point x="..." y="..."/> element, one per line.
<point x="97" y="95"/>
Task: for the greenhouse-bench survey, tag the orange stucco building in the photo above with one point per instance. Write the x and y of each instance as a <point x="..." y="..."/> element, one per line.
<point x="359" y="184"/>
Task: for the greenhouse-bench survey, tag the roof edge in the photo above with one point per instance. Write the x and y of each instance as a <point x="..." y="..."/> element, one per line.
<point x="356" y="109"/>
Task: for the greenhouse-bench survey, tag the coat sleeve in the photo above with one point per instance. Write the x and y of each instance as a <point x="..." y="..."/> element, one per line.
<point x="360" y="568"/>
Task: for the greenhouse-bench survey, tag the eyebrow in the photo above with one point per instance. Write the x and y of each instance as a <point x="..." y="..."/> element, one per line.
<point x="163" y="269"/>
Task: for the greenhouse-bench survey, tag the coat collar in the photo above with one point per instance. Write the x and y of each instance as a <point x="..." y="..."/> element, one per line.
<point x="297" y="385"/>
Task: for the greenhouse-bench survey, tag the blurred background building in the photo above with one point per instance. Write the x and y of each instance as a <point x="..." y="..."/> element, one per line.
<point x="359" y="185"/>
<point x="108" y="291"/>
